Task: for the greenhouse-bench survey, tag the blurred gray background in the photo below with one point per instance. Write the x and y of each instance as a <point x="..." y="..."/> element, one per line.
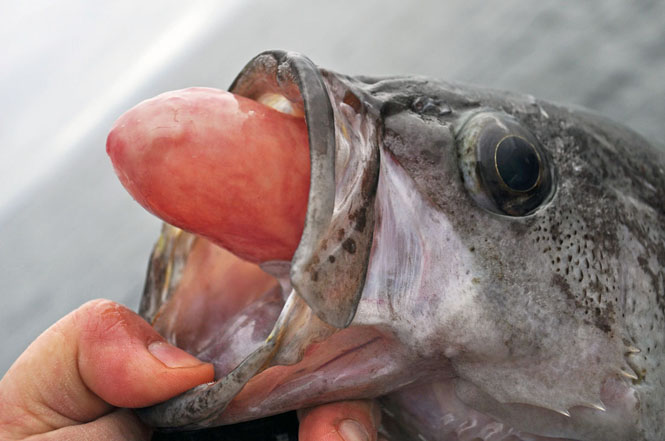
<point x="68" y="231"/>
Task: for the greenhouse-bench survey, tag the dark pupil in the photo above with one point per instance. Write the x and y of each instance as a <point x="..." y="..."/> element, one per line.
<point x="517" y="163"/>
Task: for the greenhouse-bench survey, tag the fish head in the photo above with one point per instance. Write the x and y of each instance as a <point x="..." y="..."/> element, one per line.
<point x="459" y="237"/>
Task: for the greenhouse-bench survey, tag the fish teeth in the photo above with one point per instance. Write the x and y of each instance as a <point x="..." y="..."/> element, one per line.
<point x="600" y="406"/>
<point x="632" y="350"/>
<point x="596" y="405"/>
<point x="563" y="412"/>
<point x="629" y="375"/>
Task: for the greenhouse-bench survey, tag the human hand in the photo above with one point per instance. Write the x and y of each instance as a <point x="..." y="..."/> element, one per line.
<point x="70" y="380"/>
<point x="73" y="381"/>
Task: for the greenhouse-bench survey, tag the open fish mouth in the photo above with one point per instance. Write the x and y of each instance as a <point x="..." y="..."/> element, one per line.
<point x="472" y="305"/>
<point x="250" y="317"/>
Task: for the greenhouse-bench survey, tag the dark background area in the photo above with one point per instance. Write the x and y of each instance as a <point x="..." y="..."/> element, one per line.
<point x="72" y="234"/>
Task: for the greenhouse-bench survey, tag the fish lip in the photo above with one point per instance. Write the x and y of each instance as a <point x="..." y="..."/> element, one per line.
<point x="298" y="79"/>
<point x="314" y="264"/>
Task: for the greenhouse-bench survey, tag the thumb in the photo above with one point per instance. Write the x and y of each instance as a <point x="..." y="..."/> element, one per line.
<point x="99" y="356"/>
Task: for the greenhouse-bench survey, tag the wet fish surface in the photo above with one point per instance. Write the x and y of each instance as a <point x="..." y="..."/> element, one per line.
<point x="487" y="264"/>
<point x="283" y="427"/>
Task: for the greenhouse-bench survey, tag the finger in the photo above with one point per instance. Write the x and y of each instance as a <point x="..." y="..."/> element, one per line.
<point x="99" y="356"/>
<point x="119" y="425"/>
<point x="342" y="421"/>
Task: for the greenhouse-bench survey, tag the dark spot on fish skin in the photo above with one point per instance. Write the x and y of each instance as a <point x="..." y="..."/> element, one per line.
<point x="392" y="107"/>
<point x="340" y="234"/>
<point x="331" y="259"/>
<point x="368" y="184"/>
<point x="360" y="218"/>
<point x="559" y="281"/>
<point x="314" y="275"/>
<point x="349" y="246"/>
<point x="604" y="318"/>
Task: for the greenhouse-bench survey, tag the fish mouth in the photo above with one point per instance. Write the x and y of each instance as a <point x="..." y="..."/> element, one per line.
<point x="274" y="330"/>
<point x="245" y="318"/>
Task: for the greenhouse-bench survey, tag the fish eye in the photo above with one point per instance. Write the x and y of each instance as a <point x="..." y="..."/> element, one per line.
<point x="504" y="167"/>
<point x="517" y="163"/>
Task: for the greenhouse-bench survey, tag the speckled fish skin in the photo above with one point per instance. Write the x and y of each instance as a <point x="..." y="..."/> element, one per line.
<point x="549" y="324"/>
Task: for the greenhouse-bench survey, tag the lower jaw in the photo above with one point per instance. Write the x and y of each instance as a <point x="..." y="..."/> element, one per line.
<point x="358" y="362"/>
<point x="433" y="412"/>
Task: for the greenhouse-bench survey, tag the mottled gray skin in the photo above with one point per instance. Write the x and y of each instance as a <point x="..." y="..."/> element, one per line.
<point x="567" y="294"/>
<point x="550" y="324"/>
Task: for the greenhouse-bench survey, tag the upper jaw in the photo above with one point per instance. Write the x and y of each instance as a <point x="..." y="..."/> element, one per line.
<point x="329" y="266"/>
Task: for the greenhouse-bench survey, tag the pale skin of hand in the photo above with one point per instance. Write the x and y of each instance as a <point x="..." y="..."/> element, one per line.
<point x="76" y="379"/>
